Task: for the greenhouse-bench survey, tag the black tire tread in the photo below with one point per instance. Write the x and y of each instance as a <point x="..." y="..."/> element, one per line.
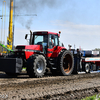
<point x="61" y="72"/>
<point x="31" y="63"/>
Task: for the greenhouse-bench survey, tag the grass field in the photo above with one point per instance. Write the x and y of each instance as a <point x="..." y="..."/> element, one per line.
<point x="94" y="97"/>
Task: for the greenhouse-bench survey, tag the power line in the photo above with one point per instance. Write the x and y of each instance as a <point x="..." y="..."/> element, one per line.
<point x="20" y="15"/>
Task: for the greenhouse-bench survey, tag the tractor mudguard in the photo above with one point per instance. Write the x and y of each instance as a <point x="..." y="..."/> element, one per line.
<point x="57" y="51"/>
<point x="11" y="65"/>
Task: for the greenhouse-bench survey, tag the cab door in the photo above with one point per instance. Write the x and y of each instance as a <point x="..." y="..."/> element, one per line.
<point x="52" y="45"/>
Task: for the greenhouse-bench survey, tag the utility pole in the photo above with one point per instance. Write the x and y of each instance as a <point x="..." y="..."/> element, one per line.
<point x="4" y="20"/>
<point x="10" y="36"/>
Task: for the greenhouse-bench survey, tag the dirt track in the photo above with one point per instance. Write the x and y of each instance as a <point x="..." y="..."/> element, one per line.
<point x="58" y="87"/>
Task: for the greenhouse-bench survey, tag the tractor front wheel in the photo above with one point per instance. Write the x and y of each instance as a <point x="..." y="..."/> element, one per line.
<point x="36" y="66"/>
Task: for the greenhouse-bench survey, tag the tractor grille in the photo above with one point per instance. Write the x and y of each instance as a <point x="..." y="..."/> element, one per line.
<point x="19" y="51"/>
<point x="20" y="47"/>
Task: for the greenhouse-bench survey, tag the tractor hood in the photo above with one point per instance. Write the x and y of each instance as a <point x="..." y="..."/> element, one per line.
<point x="29" y="49"/>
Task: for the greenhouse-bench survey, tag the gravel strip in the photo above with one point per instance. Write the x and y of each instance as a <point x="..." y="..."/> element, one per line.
<point x="59" y="87"/>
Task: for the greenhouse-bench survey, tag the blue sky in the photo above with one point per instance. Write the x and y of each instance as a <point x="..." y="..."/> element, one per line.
<point x="78" y="20"/>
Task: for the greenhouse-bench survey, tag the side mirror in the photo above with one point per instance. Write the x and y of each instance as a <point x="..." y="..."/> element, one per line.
<point x="62" y="45"/>
<point x="26" y="36"/>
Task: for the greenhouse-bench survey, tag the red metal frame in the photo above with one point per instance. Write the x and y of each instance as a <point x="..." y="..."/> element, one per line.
<point x="45" y="32"/>
<point x="97" y="62"/>
<point x="54" y="51"/>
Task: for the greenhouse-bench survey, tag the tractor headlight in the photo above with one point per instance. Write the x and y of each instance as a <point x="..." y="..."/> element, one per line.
<point x="23" y="49"/>
<point x="20" y="49"/>
<point x="16" y="50"/>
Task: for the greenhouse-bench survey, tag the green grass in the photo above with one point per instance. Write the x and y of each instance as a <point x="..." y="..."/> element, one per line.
<point x="24" y="69"/>
<point x="94" y="97"/>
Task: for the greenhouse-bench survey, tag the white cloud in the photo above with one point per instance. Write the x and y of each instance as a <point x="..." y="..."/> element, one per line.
<point x="86" y="36"/>
<point x="82" y="29"/>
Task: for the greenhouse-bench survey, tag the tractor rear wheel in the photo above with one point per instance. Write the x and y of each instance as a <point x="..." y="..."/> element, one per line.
<point x="66" y="63"/>
<point x="36" y="66"/>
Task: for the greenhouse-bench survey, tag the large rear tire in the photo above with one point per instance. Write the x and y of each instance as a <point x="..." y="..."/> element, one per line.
<point x="66" y="63"/>
<point x="36" y="66"/>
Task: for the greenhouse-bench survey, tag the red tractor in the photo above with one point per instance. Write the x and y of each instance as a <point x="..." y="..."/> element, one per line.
<point x="44" y="51"/>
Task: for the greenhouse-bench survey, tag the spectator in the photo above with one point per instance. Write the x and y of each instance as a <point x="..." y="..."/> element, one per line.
<point x="78" y="60"/>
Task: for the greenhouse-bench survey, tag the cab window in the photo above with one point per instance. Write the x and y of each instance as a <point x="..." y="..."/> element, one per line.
<point x="56" y="40"/>
<point x="39" y="39"/>
<point x="51" y="41"/>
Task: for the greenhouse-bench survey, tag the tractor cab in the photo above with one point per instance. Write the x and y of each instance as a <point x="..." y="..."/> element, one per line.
<point x="49" y="42"/>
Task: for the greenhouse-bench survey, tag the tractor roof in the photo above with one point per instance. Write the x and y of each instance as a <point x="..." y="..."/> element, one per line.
<point x="45" y="32"/>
